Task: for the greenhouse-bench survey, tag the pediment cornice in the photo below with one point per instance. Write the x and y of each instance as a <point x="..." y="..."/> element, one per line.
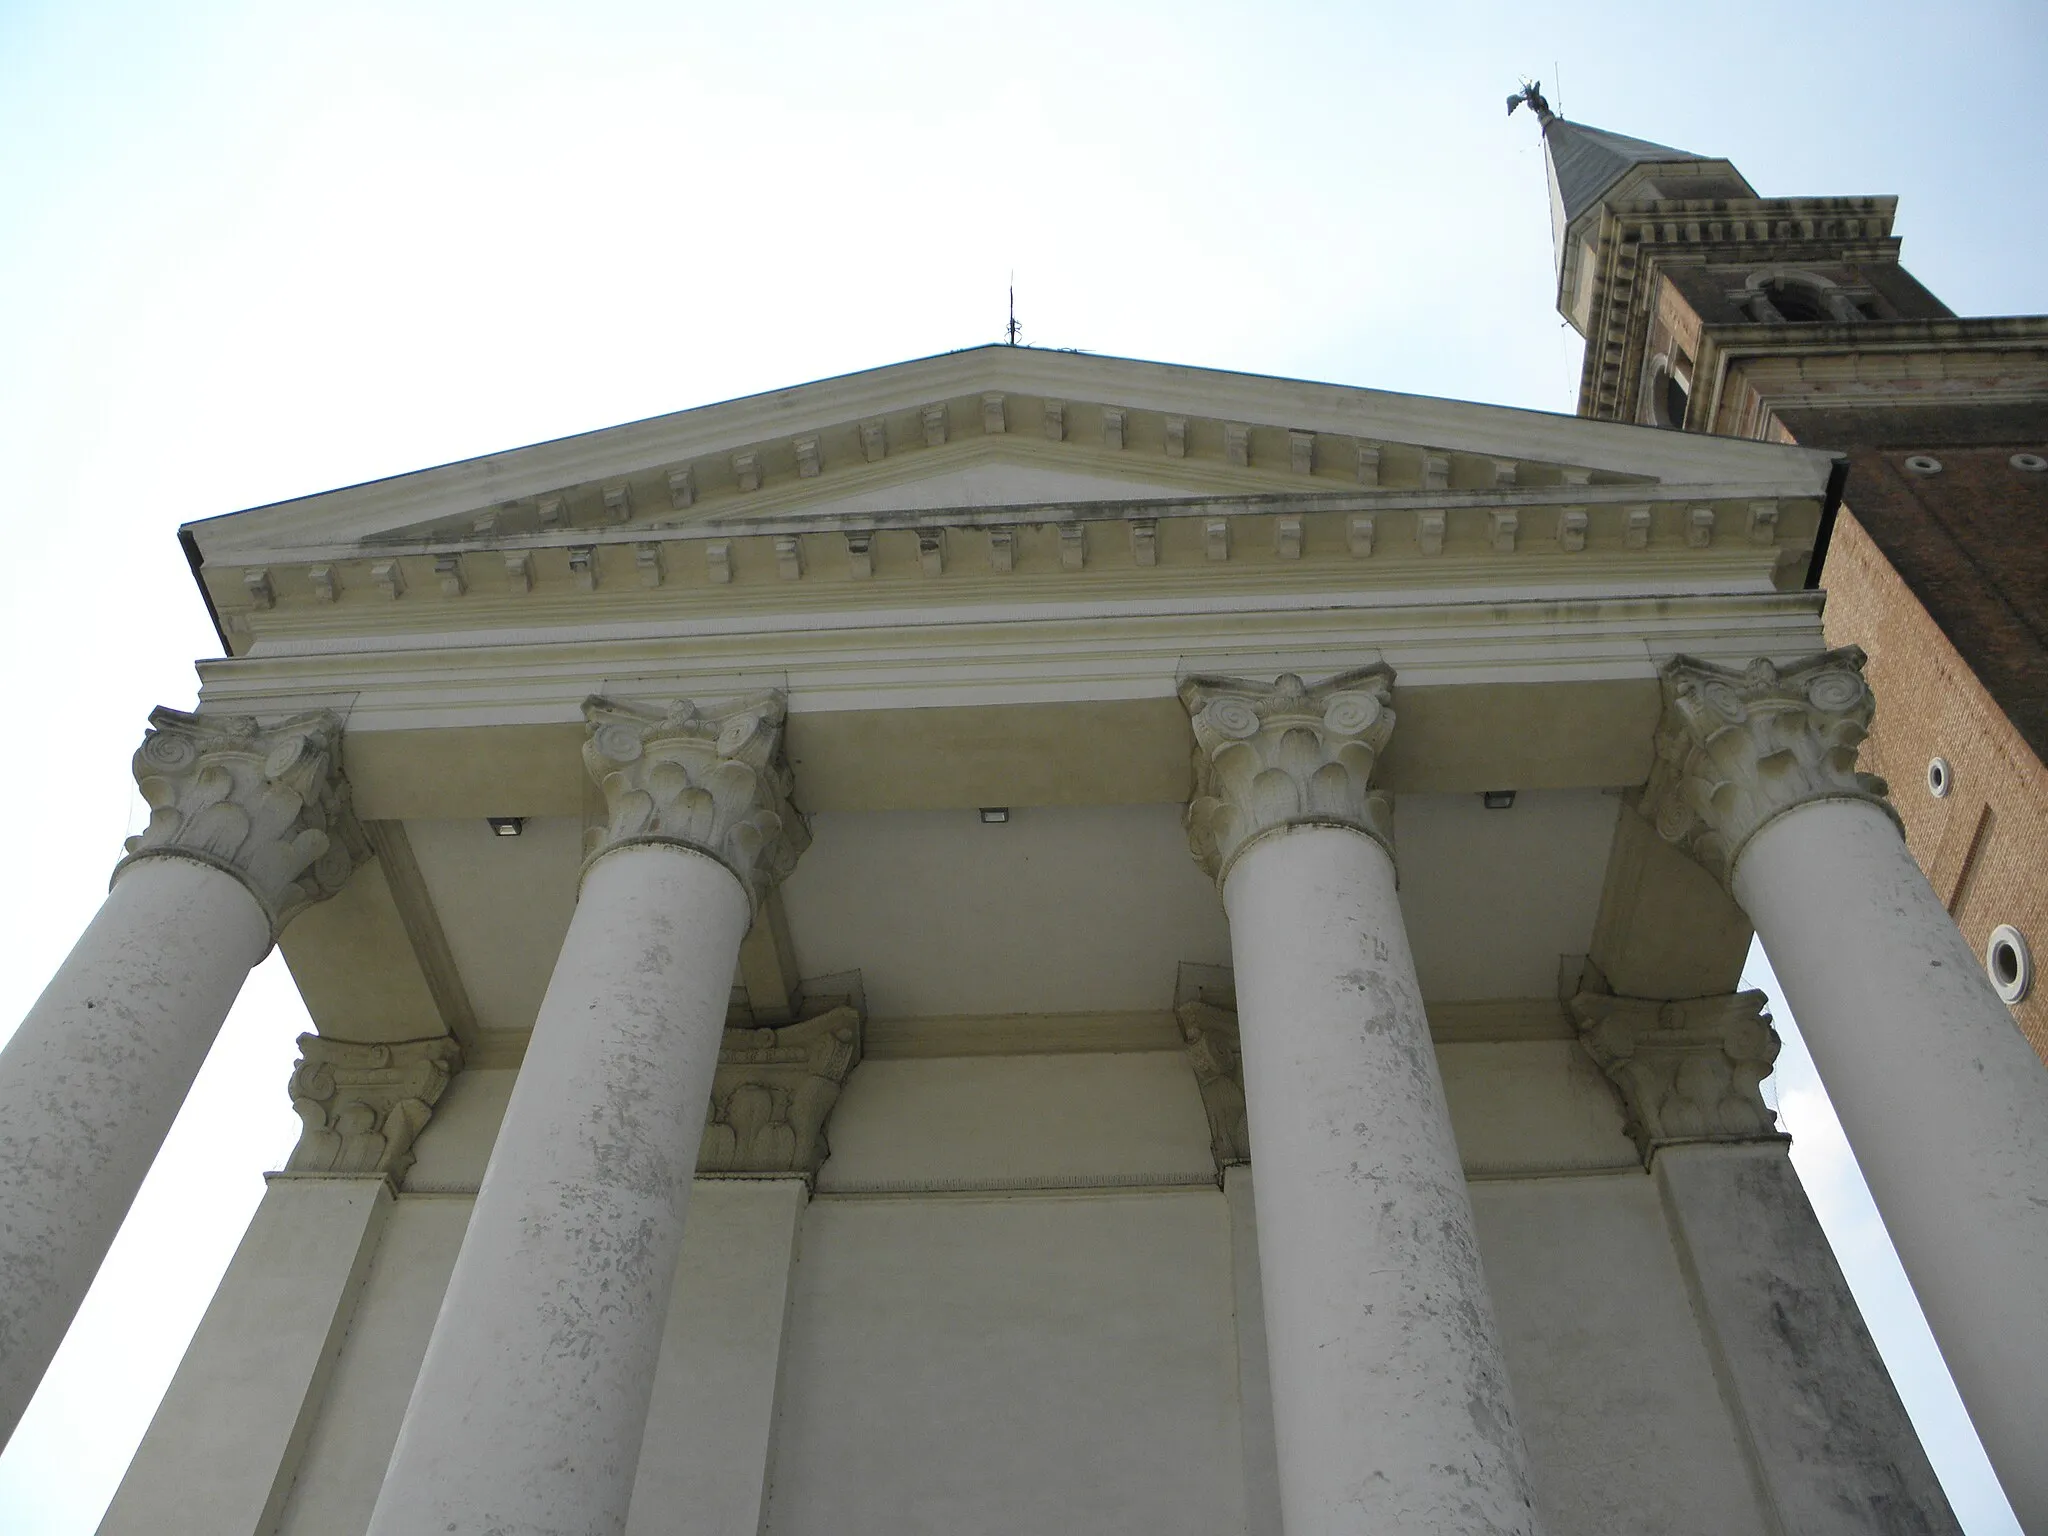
<point x="1189" y="430"/>
<point x="1004" y="467"/>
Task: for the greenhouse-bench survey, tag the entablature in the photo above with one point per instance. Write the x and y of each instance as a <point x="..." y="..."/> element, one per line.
<point x="914" y="708"/>
<point x="1637" y="538"/>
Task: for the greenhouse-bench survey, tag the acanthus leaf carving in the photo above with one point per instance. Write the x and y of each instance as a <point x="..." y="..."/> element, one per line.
<point x="1687" y="1071"/>
<point x="1735" y="749"/>
<point x="265" y="803"/>
<point x="364" y="1105"/>
<point x="772" y="1094"/>
<point x="1286" y="753"/>
<point x="707" y="777"/>
<point x="1210" y="1032"/>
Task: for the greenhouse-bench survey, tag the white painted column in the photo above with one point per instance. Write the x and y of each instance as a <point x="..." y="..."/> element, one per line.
<point x="1391" y="1406"/>
<point x="249" y="826"/>
<point x="531" y="1403"/>
<point x="1941" y="1096"/>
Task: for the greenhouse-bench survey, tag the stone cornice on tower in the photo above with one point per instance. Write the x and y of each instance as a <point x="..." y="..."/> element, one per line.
<point x="1624" y="246"/>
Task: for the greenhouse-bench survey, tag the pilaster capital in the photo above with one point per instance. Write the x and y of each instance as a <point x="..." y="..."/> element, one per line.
<point x="1214" y="1052"/>
<point x="1735" y="749"/>
<point x="1286" y="753"/>
<point x="1688" y="1071"/>
<point x="710" y="777"/>
<point x="773" y="1091"/>
<point x="363" y="1105"/>
<point x="265" y="803"/>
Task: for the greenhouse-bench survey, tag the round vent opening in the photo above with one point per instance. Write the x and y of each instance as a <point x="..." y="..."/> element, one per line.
<point x="2010" y="963"/>
<point x="1940" y="777"/>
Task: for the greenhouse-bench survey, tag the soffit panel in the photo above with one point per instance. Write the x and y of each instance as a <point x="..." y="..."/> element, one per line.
<point x="1061" y="911"/>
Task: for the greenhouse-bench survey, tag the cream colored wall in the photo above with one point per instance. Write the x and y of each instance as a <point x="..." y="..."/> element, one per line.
<point x="1626" y="1429"/>
<point x="1062" y="910"/>
<point x="1019" y="1300"/>
<point x="1012" y="1365"/>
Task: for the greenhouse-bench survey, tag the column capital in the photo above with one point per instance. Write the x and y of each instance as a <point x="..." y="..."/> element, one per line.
<point x="773" y="1091"/>
<point x="264" y="803"/>
<point x="709" y="777"/>
<point x="363" y="1105"/>
<point x="1688" y="1071"/>
<point x="1736" y="749"/>
<point x="1286" y="753"/>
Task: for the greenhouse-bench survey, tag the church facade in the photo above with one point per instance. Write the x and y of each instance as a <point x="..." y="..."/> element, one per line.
<point x="1025" y="941"/>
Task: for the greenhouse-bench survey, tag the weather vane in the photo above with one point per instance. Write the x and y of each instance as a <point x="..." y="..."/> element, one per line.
<point x="1013" y="327"/>
<point x="1531" y="96"/>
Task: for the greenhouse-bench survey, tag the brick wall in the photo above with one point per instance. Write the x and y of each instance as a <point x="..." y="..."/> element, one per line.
<point x="1985" y="846"/>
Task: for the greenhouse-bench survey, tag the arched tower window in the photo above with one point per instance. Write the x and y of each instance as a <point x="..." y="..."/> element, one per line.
<point x="1666" y="392"/>
<point x="1797" y="303"/>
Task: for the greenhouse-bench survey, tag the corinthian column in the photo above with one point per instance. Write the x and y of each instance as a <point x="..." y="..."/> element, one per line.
<point x="248" y="824"/>
<point x="1944" y="1101"/>
<point x="529" y="1409"/>
<point x="1390" y="1399"/>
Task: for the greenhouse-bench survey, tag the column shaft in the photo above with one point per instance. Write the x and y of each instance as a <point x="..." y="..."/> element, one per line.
<point x="1390" y="1398"/>
<point x="1941" y="1096"/>
<point x="91" y="1081"/>
<point x="531" y="1402"/>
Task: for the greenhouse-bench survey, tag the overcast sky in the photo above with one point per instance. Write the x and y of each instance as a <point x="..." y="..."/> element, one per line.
<point x="253" y="251"/>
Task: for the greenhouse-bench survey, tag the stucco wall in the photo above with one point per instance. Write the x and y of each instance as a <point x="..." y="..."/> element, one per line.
<point x="1011" y="1365"/>
<point x="1015" y="1303"/>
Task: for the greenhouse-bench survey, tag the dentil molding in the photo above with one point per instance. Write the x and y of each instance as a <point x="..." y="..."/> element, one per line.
<point x="1737" y="748"/>
<point x="707" y="777"/>
<point x="265" y="803"/>
<point x="1688" y="1071"/>
<point x="773" y="1091"/>
<point x="1286" y="753"/>
<point x="364" y="1105"/>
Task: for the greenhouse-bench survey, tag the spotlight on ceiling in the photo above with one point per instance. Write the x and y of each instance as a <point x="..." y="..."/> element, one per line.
<point x="1498" y="799"/>
<point x="995" y="815"/>
<point x="506" y="826"/>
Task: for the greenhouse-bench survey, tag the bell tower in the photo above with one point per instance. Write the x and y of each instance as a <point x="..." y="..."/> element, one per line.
<point x="1678" y="275"/>
<point x="1706" y="308"/>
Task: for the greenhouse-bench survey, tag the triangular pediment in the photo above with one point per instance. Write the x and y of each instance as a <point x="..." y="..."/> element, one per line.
<point x="985" y="478"/>
<point x="972" y="433"/>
